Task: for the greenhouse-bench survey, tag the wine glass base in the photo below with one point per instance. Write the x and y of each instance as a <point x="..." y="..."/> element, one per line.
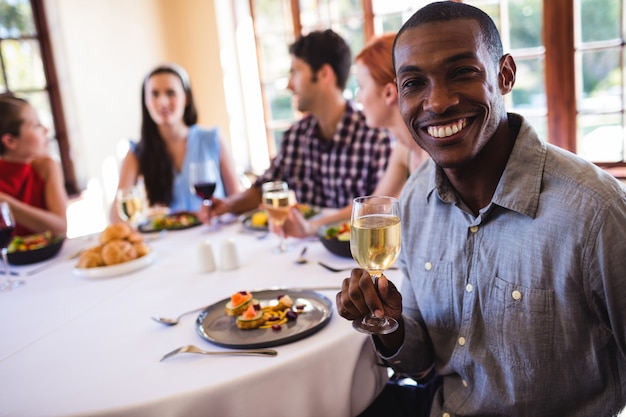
<point x="371" y="324"/>
<point x="11" y="284"/>
<point x="282" y="249"/>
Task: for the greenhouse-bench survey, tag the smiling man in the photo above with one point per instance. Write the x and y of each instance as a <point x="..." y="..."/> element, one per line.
<point x="512" y="302"/>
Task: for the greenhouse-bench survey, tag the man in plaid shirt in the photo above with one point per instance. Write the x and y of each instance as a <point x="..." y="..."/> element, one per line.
<point x="329" y="156"/>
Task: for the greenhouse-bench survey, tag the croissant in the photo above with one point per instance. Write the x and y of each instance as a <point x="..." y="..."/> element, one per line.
<point x="118" y="251"/>
<point x="90" y="259"/>
<point x="118" y="230"/>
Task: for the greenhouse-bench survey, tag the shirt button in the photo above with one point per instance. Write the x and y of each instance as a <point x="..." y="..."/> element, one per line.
<point x="464" y="383"/>
<point x="516" y="295"/>
<point x="474" y="229"/>
<point x="462" y="341"/>
<point x="469" y="288"/>
<point x="428" y="266"/>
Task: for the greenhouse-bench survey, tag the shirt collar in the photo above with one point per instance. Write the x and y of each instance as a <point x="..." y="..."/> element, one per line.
<point x="348" y="119"/>
<point x="520" y="184"/>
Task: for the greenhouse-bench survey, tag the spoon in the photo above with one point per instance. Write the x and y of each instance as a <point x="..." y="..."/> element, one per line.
<point x="171" y="322"/>
<point x="301" y="259"/>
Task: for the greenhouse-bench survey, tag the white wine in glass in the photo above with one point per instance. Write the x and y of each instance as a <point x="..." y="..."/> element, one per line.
<point x="130" y="205"/>
<point x="276" y="202"/>
<point x="375" y="246"/>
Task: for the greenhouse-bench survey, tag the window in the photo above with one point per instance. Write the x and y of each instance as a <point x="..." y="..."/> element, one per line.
<point x="27" y="71"/>
<point x="570" y="82"/>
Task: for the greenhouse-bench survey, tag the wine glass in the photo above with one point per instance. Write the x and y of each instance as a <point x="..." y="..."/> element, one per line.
<point x="203" y="179"/>
<point x="276" y="202"/>
<point x="7" y="225"/>
<point x="130" y="204"/>
<point x="375" y="245"/>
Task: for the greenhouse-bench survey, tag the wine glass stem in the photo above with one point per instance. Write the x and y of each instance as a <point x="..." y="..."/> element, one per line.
<point x="282" y="246"/>
<point x="6" y="284"/>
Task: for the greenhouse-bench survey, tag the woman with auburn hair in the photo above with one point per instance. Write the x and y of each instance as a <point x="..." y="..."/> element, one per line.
<point x="31" y="182"/>
<point x="379" y="97"/>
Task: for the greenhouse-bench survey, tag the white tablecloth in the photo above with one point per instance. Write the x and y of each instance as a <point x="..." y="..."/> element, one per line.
<point x="75" y="346"/>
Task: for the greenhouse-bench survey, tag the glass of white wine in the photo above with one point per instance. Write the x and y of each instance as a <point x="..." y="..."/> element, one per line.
<point x="375" y="246"/>
<point x="276" y="202"/>
<point x="130" y="205"/>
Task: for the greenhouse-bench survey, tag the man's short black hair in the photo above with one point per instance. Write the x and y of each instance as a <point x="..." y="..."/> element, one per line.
<point x="444" y="11"/>
<point x="324" y="47"/>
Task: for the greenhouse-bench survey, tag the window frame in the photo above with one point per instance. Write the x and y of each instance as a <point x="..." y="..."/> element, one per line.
<point x="42" y="36"/>
<point x="560" y="72"/>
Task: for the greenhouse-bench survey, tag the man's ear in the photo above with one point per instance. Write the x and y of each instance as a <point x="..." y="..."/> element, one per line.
<point x="391" y="93"/>
<point x="327" y="74"/>
<point x="506" y="74"/>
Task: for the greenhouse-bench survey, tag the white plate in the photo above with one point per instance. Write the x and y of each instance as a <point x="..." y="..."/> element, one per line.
<point x="115" y="270"/>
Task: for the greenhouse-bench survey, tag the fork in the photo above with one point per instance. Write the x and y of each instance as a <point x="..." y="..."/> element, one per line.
<point x="333" y="269"/>
<point x="195" y="349"/>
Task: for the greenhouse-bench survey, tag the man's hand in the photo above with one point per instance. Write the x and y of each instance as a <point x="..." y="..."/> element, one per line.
<point x="358" y="296"/>
<point x="208" y="211"/>
<point x="296" y="225"/>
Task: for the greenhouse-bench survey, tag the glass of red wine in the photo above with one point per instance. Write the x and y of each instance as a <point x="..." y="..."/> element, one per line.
<point x="7" y="225"/>
<point x="203" y="179"/>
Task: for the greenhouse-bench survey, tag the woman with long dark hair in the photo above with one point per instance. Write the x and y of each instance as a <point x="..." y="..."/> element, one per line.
<point x="170" y="140"/>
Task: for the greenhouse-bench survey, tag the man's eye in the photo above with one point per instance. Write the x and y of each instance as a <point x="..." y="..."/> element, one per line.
<point x="464" y="71"/>
<point x="411" y="83"/>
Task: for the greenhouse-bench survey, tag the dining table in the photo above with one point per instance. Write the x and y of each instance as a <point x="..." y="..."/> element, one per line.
<point x="73" y="344"/>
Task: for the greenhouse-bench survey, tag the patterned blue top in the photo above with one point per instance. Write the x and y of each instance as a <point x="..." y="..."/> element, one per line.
<point x="202" y="144"/>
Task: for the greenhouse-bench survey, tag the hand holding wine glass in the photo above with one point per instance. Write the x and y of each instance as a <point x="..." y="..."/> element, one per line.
<point x="7" y="225"/>
<point x="375" y="245"/>
<point x="276" y="202"/>
<point x="203" y="180"/>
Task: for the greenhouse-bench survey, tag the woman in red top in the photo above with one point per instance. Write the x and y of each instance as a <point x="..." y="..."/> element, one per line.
<point x="30" y="180"/>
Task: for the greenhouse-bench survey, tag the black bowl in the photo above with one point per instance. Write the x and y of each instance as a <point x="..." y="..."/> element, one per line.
<point x="336" y="246"/>
<point x="36" y="255"/>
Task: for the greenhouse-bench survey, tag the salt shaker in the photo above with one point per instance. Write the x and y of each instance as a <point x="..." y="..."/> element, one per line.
<point x="206" y="259"/>
<point x="228" y="255"/>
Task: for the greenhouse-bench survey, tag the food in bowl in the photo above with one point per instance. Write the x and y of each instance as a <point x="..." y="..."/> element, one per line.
<point x="31" y="242"/>
<point x="336" y="238"/>
<point x="29" y="249"/>
<point x="340" y="232"/>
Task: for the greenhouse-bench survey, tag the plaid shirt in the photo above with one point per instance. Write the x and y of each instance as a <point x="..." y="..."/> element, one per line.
<point x="330" y="173"/>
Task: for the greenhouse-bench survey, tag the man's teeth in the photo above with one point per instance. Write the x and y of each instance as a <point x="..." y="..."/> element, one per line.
<point x="447" y="130"/>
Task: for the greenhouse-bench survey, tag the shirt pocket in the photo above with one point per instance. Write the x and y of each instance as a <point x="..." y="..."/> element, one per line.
<point x="435" y="295"/>
<point x="521" y="324"/>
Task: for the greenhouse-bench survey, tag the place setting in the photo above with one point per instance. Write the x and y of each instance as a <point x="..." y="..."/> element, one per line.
<point x="259" y="319"/>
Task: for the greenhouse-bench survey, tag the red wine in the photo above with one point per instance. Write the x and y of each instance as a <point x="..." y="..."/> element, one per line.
<point x="205" y="189"/>
<point x="5" y="235"/>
